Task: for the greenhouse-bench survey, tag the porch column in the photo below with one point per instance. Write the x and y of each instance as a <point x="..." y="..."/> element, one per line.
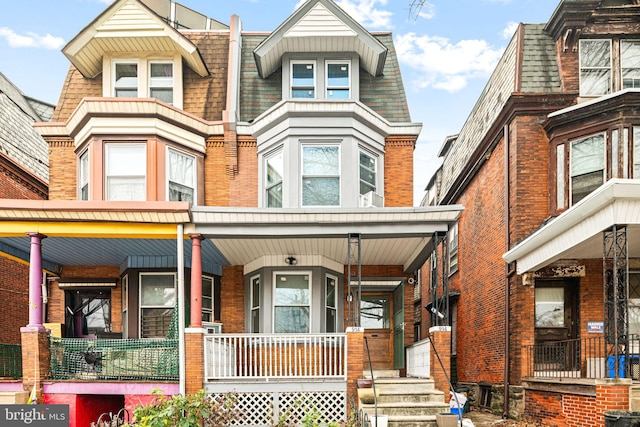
<point x="355" y="363"/>
<point x="196" y="281"/>
<point x="35" y="282"/>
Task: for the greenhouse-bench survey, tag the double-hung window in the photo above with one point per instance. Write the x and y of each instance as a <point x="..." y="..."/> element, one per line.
<point x="125" y="175"/>
<point x="126" y="79"/>
<point x="338" y="82"/>
<point x="330" y="302"/>
<point x="453" y="248"/>
<point x="292" y="303"/>
<point x="161" y="81"/>
<point x="255" y="304"/>
<point x="587" y="166"/>
<point x="274" y="178"/>
<point x="303" y="79"/>
<point x="630" y="63"/>
<point x="367" y="173"/>
<point x="320" y="175"/>
<point x="157" y="300"/>
<point x="181" y="176"/>
<point x="595" y="67"/>
<point x="207" y="299"/>
<point x="83" y="173"/>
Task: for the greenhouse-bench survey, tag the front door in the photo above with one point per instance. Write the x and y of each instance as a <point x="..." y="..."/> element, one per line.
<point x="375" y="318"/>
<point x="398" y="327"/>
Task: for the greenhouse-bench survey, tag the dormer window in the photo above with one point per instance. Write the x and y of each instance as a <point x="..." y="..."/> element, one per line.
<point x="303" y="79"/>
<point x="338" y="80"/>
<point x="608" y="66"/>
<point x="144" y="78"/>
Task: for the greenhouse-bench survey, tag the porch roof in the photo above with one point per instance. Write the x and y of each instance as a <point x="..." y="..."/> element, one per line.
<point x="577" y="232"/>
<point x="390" y="236"/>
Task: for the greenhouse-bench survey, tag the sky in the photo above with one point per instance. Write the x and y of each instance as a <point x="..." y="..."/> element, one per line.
<point x="447" y="49"/>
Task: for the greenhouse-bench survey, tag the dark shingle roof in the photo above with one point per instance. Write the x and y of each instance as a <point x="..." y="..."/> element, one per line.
<point x="540" y="71"/>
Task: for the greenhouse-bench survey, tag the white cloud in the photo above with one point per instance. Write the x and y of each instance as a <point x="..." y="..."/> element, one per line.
<point x="443" y="65"/>
<point x="509" y="30"/>
<point x="31" y="39"/>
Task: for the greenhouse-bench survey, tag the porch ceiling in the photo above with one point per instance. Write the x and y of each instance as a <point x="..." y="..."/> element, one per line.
<point x="390" y="236"/>
<point x="577" y="233"/>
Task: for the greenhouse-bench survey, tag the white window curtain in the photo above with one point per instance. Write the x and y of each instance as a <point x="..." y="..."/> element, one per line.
<point x="126" y="171"/>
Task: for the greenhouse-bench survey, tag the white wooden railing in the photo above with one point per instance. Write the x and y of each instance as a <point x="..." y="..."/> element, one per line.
<point x="418" y="359"/>
<point x="273" y="356"/>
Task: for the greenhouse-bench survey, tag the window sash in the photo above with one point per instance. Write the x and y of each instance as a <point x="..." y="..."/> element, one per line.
<point x="630" y="63"/>
<point x="255" y="304"/>
<point x="595" y="67"/>
<point x="368" y="166"/>
<point x="274" y="173"/>
<point x="157" y="301"/>
<point x="207" y="299"/>
<point x="181" y="176"/>
<point x="330" y="304"/>
<point x="338" y="84"/>
<point x="161" y="81"/>
<point x="321" y="175"/>
<point x="303" y="79"/>
<point x="453" y="248"/>
<point x="587" y="166"/>
<point x="126" y="79"/>
<point x="292" y="302"/>
<point x="84" y="176"/>
<point x="125" y="171"/>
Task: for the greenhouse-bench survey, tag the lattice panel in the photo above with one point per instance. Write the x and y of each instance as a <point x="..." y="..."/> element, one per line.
<point x="256" y="409"/>
<point x="332" y="405"/>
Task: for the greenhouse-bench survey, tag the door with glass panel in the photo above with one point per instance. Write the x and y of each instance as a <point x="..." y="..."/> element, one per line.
<point x="556" y="307"/>
<point x="376" y="318"/>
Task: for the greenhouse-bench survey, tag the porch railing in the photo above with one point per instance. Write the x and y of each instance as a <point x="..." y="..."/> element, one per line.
<point x="273" y="356"/>
<point x="418" y="359"/>
<point x="114" y="359"/>
<point x="583" y="358"/>
<point x="10" y="361"/>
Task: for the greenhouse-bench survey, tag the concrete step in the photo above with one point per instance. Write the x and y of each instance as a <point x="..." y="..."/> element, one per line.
<point x="411" y="421"/>
<point x="381" y="373"/>
<point x="399" y="408"/>
<point x="415" y="385"/>
<point x="411" y="396"/>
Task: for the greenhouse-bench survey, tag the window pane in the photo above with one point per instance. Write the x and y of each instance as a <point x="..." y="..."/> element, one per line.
<point x="180" y="193"/>
<point x="292" y="289"/>
<point x="595" y="82"/>
<point x="634" y="302"/>
<point x="255" y="293"/>
<point x="157" y="290"/>
<point x="549" y="307"/>
<point x="367" y="173"/>
<point x="275" y="172"/>
<point x="126" y="159"/>
<point x="338" y="75"/>
<point x="560" y="176"/>
<point x="587" y="166"/>
<point x="126" y="80"/>
<point x="331" y="292"/>
<point x="162" y="94"/>
<point x="636" y="152"/>
<point x="595" y="67"/>
<point x="126" y="188"/>
<point x="274" y="196"/>
<point x="374" y="312"/>
<point x="162" y="73"/>
<point x="291" y="320"/>
<point x="321" y="192"/>
<point x="321" y="160"/>
<point x="155" y="322"/>
<point x="630" y="63"/>
<point x="181" y="176"/>
<point x="302" y="75"/>
<point x="84" y="176"/>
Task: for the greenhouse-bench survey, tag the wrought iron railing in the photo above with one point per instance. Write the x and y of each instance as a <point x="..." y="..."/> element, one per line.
<point x="113" y="359"/>
<point x="272" y="356"/>
<point x="418" y="359"/>
<point x="10" y="361"/>
<point x="583" y="358"/>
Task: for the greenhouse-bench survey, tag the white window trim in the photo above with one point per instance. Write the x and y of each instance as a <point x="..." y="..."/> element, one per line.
<point x="194" y="180"/>
<point x="315" y="77"/>
<point x="143" y="61"/>
<point x="326" y="77"/>
<point x="610" y="68"/>
<point x="310" y="288"/>
<point x="84" y="161"/>
<point x="339" y="176"/>
<point x="140" y="306"/>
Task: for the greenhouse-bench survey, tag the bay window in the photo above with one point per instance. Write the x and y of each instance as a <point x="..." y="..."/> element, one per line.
<point x="320" y="175"/>
<point x="587" y="166"/>
<point x="292" y="303"/>
<point x="157" y="301"/>
<point x="274" y="173"/>
<point x="181" y="176"/>
<point x="125" y="171"/>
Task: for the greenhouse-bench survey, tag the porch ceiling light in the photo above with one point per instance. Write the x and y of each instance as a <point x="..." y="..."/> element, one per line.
<point x="291" y="260"/>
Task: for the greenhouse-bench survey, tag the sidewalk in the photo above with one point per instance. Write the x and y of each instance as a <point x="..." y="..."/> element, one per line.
<point x="483" y="419"/>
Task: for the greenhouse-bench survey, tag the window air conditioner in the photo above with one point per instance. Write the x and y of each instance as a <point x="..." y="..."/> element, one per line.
<point x="371" y="200"/>
<point x="212" y="328"/>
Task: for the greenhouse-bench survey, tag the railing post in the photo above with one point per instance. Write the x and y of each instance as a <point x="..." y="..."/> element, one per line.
<point x="440" y="359"/>
<point x="194" y="349"/>
<point x="355" y="362"/>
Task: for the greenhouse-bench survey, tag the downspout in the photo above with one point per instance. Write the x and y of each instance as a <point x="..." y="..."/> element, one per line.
<point x="231" y="112"/>
<point x="181" y="314"/>
<point x="507" y="299"/>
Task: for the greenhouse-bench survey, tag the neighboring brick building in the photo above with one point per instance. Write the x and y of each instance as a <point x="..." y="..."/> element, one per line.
<point x="545" y="168"/>
<point x="250" y="175"/>
<point x="23" y="175"/>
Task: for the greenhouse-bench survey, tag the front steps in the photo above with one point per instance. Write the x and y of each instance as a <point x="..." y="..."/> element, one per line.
<point x="409" y="402"/>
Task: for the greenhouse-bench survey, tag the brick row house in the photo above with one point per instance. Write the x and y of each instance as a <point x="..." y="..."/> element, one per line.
<point x="24" y="175"/>
<point x="540" y="280"/>
<point x="223" y="206"/>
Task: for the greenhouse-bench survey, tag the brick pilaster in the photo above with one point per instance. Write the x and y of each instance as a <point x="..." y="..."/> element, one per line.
<point x="441" y="338"/>
<point x="35" y="359"/>
<point x="194" y="349"/>
<point x="355" y="364"/>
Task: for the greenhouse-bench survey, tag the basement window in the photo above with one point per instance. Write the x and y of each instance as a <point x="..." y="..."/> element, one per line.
<point x="484" y="400"/>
